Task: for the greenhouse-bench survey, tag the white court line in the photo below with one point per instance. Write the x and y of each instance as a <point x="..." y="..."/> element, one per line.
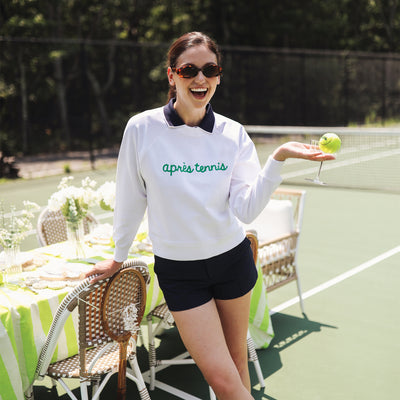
<point x="343" y="163"/>
<point x="337" y="279"/>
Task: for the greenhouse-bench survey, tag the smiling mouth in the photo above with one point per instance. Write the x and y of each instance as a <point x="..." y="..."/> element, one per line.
<point x="199" y="93"/>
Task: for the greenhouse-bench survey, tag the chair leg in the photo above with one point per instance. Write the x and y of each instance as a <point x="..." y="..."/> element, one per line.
<point x="28" y="394"/>
<point x="254" y="359"/>
<point x="68" y="390"/>
<point x="140" y="339"/>
<point x="152" y="353"/>
<point x="95" y="386"/>
<point x="84" y="392"/>
<point x="137" y="378"/>
<point x="144" y="394"/>
<point x="96" y="393"/>
<point x="300" y="293"/>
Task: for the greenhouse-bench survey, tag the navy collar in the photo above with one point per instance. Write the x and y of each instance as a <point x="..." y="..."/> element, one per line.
<point x="173" y="118"/>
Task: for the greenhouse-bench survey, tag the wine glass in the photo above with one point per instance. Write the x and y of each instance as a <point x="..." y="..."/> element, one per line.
<point x="316" y="180"/>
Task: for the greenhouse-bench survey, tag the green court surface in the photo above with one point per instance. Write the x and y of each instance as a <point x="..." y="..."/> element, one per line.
<point x="347" y="344"/>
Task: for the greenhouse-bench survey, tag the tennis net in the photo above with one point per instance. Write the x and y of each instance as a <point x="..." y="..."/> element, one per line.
<point x="368" y="159"/>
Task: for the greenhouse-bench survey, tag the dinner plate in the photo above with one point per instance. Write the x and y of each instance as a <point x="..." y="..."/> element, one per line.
<point x="64" y="270"/>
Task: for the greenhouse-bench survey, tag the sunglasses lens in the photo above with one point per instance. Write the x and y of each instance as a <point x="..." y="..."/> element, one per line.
<point x="189" y="71"/>
<point x="211" y="71"/>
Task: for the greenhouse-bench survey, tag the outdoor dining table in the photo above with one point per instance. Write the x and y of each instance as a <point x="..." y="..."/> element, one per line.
<point x="26" y="317"/>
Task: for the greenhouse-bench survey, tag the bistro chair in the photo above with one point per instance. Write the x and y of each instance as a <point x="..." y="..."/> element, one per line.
<point x="109" y="316"/>
<point x="52" y="227"/>
<point x="166" y="320"/>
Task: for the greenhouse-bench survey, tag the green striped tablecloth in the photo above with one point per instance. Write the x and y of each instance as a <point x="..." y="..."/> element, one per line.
<point x="25" y="319"/>
<point x="260" y="326"/>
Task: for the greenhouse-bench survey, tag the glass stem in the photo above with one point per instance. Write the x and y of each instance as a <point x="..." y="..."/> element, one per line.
<point x="319" y="171"/>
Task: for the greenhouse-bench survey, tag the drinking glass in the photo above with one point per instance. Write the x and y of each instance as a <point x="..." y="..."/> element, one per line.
<point x="316" y="180"/>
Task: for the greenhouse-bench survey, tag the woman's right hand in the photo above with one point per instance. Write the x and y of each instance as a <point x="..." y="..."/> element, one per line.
<point x="104" y="269"/>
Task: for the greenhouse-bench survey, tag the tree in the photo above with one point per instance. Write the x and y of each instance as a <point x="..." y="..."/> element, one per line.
<point x="73" y="69"/>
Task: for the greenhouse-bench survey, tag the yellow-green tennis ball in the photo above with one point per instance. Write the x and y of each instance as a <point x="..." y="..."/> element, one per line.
<point x="330" y="143"/>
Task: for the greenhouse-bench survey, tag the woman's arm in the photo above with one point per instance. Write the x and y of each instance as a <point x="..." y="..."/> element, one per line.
<point x="251" y="187"/>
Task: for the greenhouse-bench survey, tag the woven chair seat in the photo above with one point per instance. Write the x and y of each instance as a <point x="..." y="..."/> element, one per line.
<point x="69" y="368"/>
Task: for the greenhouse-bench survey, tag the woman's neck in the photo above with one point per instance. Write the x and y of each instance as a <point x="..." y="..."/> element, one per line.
<point x="192" y="116"/>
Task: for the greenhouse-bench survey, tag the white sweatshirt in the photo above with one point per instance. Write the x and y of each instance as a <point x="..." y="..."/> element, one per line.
<point x="197" y="183"/>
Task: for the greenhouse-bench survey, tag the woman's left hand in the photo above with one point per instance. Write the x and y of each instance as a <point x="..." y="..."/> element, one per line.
<point x="103" y="269"/>
<point x="300" y="150"/>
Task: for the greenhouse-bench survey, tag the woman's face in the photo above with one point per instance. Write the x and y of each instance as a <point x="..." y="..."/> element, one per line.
<point x="194" y="92"/>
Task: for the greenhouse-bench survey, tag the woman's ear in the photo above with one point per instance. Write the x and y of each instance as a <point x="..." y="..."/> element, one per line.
<point x="170" y="75"/>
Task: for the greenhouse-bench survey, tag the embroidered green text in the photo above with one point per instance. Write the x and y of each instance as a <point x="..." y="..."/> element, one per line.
<point x="172" y="168"/>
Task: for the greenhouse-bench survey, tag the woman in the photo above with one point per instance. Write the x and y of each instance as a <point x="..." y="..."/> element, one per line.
<point x="198" y="174"/>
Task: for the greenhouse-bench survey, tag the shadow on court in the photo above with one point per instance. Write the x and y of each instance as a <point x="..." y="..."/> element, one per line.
<point x="289" y="330"/>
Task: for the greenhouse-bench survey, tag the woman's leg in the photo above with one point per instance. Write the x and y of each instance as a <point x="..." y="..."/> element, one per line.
<point x="234" y="316"/>
<point x="206" y="332"/>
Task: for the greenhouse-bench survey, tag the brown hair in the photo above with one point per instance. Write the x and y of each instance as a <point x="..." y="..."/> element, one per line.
<point x="183" y="43"/>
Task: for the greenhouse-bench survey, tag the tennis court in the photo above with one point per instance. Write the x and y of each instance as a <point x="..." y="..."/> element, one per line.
<point x="346" y="346"/>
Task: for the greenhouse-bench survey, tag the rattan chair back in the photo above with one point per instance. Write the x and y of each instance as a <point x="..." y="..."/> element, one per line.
<point x="91" y="332"/>
<point x="52" y="228"/>
<point x="64" y="310"/>
<point x="123" y="307"/>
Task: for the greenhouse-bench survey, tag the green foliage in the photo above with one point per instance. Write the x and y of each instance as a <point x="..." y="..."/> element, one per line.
<point x="70" y="82"/>
<point x="67" y="169"/>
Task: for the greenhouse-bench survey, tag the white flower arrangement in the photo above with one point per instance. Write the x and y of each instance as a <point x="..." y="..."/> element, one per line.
<point x="106" y="196"/>
<point x="14" y="226"/>
<point x="74" y="202"/>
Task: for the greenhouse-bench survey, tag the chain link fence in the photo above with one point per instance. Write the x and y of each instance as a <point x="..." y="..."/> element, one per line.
<point x="69" y="94"/>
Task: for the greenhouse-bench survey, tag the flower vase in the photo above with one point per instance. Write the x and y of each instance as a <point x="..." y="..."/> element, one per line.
<point x="13" y="267"/>
<point x="75" y="235"/>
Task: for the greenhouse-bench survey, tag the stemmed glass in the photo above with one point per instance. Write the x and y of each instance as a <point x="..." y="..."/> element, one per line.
<point x="316" y="180"/>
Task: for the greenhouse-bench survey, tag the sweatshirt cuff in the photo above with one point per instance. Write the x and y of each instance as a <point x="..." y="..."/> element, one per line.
<point x="272" y="168"/>
<point x="120" y="255"/>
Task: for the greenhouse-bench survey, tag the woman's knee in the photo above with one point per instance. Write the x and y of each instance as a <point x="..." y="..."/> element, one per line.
<point x="224" y="382"/>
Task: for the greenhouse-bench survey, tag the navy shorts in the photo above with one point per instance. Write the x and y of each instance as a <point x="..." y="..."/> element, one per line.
<point x="189" y="284"/>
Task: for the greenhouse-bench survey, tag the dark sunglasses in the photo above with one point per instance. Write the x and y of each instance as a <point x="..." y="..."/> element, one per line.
<point x="190" y="71"/>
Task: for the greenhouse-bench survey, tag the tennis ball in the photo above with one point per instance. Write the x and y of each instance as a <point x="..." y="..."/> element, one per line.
<point x="329" y="143"/>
